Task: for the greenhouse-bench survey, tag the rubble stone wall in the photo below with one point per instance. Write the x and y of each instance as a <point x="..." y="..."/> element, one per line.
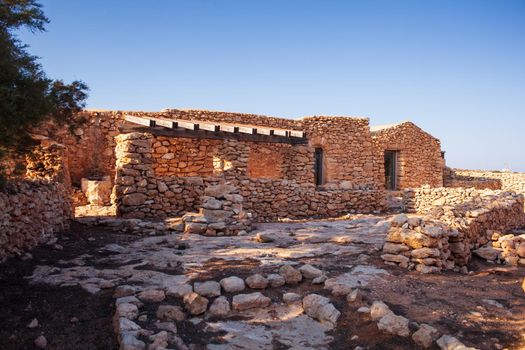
<point x="446" y="236"/>
<point x="421" y="200"/>
<point x="144" y="191"/>
<point x="31" y="212"/>
<point x="419" y="155"/>
<point x="507" y="181"/>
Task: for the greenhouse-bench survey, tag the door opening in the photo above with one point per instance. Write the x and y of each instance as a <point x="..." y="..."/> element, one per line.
<point x="391" y="170"/>
<point x="318" y="167"/>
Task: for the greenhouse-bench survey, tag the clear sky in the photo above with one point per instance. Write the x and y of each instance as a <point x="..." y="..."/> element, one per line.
<point x="456" y="68"/>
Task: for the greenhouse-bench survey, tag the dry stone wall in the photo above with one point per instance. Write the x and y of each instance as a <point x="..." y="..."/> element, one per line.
<point x="508" y="181"/>
<point x="456" y="222"/>
<point x="32" y="211"/>
<point x="144" y="191"/>
<point x="420" y="161"/>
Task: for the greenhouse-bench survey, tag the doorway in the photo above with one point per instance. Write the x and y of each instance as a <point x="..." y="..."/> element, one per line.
<point x="391" y="170"/>
<point x="318" y="167"/>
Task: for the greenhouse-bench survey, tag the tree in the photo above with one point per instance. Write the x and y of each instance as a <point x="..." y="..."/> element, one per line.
<point x="27" y="96"/>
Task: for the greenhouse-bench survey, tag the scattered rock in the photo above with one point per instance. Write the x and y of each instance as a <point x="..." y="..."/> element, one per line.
<point x="208" y="288"/>
<point x="310" y="272"/>
<point x="33" y="323"/>
<point x="320" y="308"/>
<point x="353" y="296"/>
<point x="277" y="280"/>
<point x="170" y="313"/>
<point x="264" y="237"/>
<point x="290" y="274"/>
<point x="378" y="310"/>
<point x="125" y="324"/>
<point x="257" y="281"/>
<point x="487" y="253"/>
<point x="195" y="303"/>
<point x="41" y="342"/>
<point x="291" y="297"/>
<point x="220" y="307"/>
<point x="363" y="310"/>
<point x="425" y="336"/>
<point x="394" y="324"/>
<point x="448" y="342"/>
<point x="249" y="301"/>
<point x="232" y="284"/>
<point x="152" y="295"/>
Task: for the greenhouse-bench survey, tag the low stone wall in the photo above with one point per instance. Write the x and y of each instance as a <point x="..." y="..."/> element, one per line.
<point x="508" y="181"/>
<point x="453" y="179"/>
<point x="423" y="199"/>
<point x="445" y="237"/>
<point x="32" y="211"/>
<point x="148" y="182"/>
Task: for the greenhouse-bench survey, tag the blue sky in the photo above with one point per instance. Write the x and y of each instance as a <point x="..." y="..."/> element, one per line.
<point x="456" y="68"/>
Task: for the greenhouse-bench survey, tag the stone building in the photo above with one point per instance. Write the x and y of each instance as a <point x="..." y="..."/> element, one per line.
<point x="412" y="157"/>
<point x="160" y="164"/>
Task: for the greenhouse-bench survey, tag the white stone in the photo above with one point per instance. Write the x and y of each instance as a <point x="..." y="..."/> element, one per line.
<point x="276" y="280"/>
<point x="425" y="335"/>
<point x="250" y="301"/>
<point x="291" y="275"/>
<point x="208" y="288"/>
<point x="320" y="308"/>
<point x="41" y="342"/>
<point x="393" y="324"/>
<point x="291" y="297"/>
<point x="220" y="307"/>
<point x="257" y="281"/>
<point x="378" y="310"/>
<point x="232" y="284"/>
<point x="179" y="290"/>
<point x="310" y="272"/>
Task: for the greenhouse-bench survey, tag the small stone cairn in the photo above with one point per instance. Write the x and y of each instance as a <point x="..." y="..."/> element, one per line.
<point x="221" y="214"/>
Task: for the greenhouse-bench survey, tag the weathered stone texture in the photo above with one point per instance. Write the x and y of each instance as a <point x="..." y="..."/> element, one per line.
<point x="457" y="221"/>
<point x="504" y="180"/>
<point x="419" y="155"/>
<point x="32" y="211"/>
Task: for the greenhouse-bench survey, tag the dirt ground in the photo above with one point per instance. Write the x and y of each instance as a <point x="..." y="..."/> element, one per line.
<point x="485" y="308"/>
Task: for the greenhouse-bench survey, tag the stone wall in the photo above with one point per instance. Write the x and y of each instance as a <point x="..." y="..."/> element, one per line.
<point x="446" y="236"/>
<point x="151" y="184"/>
<point x="508" y="181"/>
<point x="420" y="161"/>
<point x="423" y="199"/>
<point x="32" y="211"/>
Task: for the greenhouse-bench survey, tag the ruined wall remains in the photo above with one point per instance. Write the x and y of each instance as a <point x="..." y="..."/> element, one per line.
<point x="419" y="155"/>
<point x="508" y="181"/>
<point x="149" y="182"/>
<point x="452" y="179"/>
<point x="423" y="199"/>
<point x="31" y="212"/>
<point x="446" y="236"/>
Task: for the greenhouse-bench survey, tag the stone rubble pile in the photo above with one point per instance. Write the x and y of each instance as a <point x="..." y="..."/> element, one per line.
<point x="221" y="214"/>
<point x="424" y="336"/>
<point x="508" y="249"/>
<point x="445" y="238"/>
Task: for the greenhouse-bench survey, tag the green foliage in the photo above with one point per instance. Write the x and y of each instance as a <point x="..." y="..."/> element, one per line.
<point x="27" y="95"/>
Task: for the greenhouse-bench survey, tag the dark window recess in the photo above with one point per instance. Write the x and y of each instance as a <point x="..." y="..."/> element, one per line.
<point x="391" y="170"/>
<point x="319" y="176"/>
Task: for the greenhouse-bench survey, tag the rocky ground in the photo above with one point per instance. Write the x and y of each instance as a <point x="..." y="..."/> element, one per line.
<point x="302" y="285"/>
